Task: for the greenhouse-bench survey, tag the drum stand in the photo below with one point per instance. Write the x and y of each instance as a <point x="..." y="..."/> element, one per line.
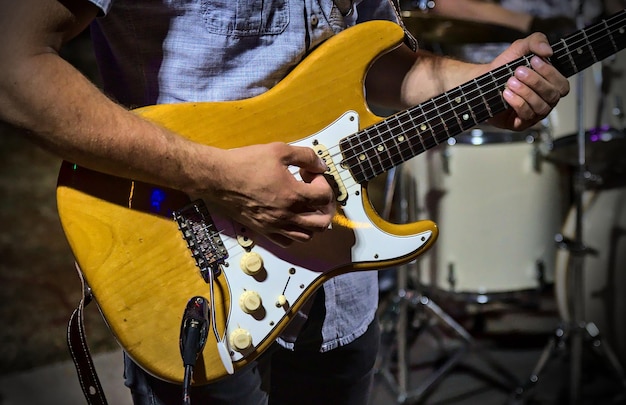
<point x="398" y="313"/>
<point x="577" y="331"/>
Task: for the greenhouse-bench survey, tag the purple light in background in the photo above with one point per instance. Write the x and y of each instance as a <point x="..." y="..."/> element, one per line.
<point x="596" y="134"/>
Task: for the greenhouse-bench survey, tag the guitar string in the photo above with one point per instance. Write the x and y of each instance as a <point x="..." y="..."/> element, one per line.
<point x="424" y="138"/>
<point x="506" y="72"/>
<point x="506" y="69"/>
<point x="432" y="103"/>
<point x="579" y="39"/>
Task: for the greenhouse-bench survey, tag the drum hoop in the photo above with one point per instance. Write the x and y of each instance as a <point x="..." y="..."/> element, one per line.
<point x="592" y="136"/>
<point x="478" y="137"/>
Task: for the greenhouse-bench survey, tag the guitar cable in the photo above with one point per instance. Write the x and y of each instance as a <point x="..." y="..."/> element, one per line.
<point x="193" y="336"/>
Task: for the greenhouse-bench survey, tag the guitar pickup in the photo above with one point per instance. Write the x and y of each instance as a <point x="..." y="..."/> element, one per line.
<point x="332" y="175"/>
<point x="202" y="237"/>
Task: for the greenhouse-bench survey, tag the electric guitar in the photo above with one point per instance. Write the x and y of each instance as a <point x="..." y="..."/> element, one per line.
<point x="145" y="250"/>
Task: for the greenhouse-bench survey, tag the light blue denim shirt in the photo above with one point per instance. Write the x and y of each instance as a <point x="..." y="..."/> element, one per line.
<point x="167" y="51"/>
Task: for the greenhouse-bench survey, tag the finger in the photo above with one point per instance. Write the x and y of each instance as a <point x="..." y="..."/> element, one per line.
<point x="280" y="240"/>
<point x="286" y="236"/>
<point x="559" y="83"/>
<point x="306" y="159"/>
<point x="538" y="94"/>
<point x="539" y="45"/>
<point x="522" y="108"/>
<point x="316" y="193"/>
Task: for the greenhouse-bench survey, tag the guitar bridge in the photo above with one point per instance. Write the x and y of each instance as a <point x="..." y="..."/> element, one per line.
<point x="202" y="237"/>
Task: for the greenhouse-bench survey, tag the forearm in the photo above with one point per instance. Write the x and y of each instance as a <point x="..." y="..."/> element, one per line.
<point x="402" y="78"/>
<point x="483" y="11"/>
<point x="62" y="111"/>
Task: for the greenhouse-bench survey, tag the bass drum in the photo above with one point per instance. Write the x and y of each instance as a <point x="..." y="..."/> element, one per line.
<point x="603" y="272"/>
<point x="498" y="208"/>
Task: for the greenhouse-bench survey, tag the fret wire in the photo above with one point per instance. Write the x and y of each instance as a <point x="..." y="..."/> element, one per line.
<point x="453" y="100"/>
<point x="426" y="143"/>
<point x="588" y="45"/>
<point x="369" y="150"/>
<point x="397" y="134"/>
<point x="415" y="131"/>
<point x="424" y="130"/>
<point x="439" y="126"/>
<point x="385" y="148"/>
<point x="410" y="136"/>
<point x="372" y="144"/>
<point x="431" y="116"/>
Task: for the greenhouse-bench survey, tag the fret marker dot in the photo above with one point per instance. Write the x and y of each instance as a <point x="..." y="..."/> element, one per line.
<point x="401" y="138"/>
<point x="423" y="127"/>
<point x="457" y="100"/>
<point x="621" y="30"/>
<point x="380" y="148"/>
<point x="580" y="51"/>
<point x="466" y="117"/>
<point x="361" y="157"/>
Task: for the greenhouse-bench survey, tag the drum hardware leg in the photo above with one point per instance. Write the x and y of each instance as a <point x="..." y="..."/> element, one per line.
<point x="398" y="313"/>
<point x="434" y="321"/>
<point x="574" y="334"/>
<point x="549" y="351"/>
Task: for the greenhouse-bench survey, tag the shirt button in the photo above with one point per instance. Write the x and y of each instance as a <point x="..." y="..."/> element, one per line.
<point x="314" y="21"/>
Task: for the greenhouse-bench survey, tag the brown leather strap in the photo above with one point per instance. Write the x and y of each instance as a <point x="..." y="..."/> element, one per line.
<point x="409" y="39"/>
<point x="345" y="7"/>
<point x="77" y="344"/>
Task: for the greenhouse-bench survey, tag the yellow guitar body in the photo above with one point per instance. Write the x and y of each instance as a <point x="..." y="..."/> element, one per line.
<point x="140" y="268"/>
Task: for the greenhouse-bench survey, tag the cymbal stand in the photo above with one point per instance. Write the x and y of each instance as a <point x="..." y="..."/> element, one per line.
<point x="395" y="323"/>
<point x="576" y="331"/>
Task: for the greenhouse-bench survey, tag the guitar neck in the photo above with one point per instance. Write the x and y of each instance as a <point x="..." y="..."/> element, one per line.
<point x="381" y="147"/>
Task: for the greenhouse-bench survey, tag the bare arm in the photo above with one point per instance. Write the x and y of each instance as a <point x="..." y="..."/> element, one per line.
<point x="61" y="110"/>
<point x="402" y="78"/>
<point x="483" y="11"/>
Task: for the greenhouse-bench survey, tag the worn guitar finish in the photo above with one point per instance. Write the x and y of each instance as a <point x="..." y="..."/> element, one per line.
<point x="144" y="251"/>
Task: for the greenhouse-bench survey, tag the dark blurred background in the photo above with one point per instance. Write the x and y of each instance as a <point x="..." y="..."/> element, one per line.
<point x="39" y="287"/>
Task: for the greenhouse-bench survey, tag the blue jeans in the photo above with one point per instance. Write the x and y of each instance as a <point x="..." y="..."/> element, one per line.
<point x="305" y="376"/>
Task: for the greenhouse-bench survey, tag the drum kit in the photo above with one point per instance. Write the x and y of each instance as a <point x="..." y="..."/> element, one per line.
<point x="520" y="213"/>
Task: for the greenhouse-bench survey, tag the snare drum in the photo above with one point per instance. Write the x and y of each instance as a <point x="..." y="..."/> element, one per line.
<point x="498" y="209"/>
<point x="603" y="273"/>
<point x="605" y="156"/>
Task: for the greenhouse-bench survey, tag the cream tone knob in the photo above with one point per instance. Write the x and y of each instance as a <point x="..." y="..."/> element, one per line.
<point x="251" y="263"/>
<point x="240" y="339"/>
<point x="244" y="241"/>
<point x="250" y="302"/>
<point x="281" y="301"/>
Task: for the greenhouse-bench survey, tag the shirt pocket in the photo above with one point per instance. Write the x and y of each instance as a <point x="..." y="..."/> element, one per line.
<point x="245" y="17"/>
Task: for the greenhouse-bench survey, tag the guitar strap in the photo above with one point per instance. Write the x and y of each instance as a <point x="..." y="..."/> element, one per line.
<point x="77" y="344"/>
<point x="346" y="7"/>
<point x="409" y="39"/>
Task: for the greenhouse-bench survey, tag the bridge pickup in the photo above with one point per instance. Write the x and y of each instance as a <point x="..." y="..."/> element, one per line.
<point x="202" y="237"/>
<point x="332" y="175"/>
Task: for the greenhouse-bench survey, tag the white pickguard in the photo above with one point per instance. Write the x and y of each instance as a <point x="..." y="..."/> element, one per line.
<point x="291" y="271"/>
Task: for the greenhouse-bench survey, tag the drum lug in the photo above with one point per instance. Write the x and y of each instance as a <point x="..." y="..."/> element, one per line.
<point x="541" y="274"/>
<point x="537" y="159"/>
<point x="451" y="277"/>
<point x="573" y="246"/>
<point x="445" y="160"/>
